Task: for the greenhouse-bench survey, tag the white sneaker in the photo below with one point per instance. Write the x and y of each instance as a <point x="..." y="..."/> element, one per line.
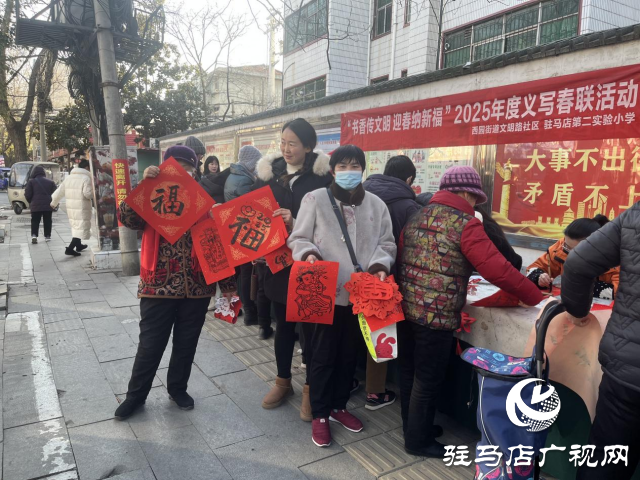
<point x="34" y="239"/>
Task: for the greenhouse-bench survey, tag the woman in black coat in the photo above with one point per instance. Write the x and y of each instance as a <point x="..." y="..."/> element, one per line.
<point x="38" y="194"/>
<point x="213" y="179"/>
<point x="291" y="174"/>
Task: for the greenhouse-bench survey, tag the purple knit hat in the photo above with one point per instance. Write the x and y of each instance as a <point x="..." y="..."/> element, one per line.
<point x="180" y="152"/>
<point x="463" y="179"/>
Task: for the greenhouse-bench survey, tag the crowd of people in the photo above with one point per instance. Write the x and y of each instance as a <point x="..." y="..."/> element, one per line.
<point x="431" y="243"/>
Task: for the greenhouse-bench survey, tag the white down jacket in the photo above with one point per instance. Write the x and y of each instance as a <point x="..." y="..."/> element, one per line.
<point x="78" y="191"/>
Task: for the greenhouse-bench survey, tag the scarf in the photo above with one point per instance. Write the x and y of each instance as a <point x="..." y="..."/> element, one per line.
<point x="149" y="253"/>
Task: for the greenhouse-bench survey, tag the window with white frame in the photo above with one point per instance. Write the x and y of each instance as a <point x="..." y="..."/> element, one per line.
<point x="305" y="25"/>
<point x="382" y="21"/>
<point x="306" y="92"/>
<point x="537" y="24"/>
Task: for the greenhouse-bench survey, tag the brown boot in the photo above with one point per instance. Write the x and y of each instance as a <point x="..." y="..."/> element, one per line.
<point x="278" y="393"/>
<point x="305" y="408"/>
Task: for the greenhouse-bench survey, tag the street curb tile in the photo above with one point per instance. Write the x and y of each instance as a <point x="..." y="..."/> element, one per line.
<point x="236" y="332"/>
<point x="254" y="357"/>
<point x="386" y="418"/>
<point x="269" y="371"/>
<point x="345" y="437"/>
<point x="243" y="344"/>
<point x="431" y="469"/>
<point x="212" y="323"/>
<point x="380" y="455"/>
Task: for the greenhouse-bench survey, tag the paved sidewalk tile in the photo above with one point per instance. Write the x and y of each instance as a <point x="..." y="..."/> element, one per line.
<point x="37" y="450"/>
<point x="181" y="453"/>
<point x="113" y="288"/>
<point x="57" y="305"/>
<point x="380" y="454"/>
<point x="83" y="390"/>
<point x="433" y="469"/>
<point x="144" y="474"/>
<point x="114" y="347"/>
<point x="213" y="359"/>
<point x="20" y="290"/>
<point x="24" y="303"/>
<point x="86" y="296"/>
<point x="73" y="285"/>
<point x="158" y="416"/>
<point x="106" y="449"/>
<point x="338" y="466"/>
<point x="121" y="300"/>
<point x="199" y="385"/>
<point x="46" y="292"/>
<point x="221" y="422"/>
<point x="68" y="343"/>
<point x="118" y="373"/>
<point x="94" y="309"/>
<point x="107" y="277"/>
<point x="57" y="317"/>
<point x="103" y="326"/>
<point x="64" y="326"/>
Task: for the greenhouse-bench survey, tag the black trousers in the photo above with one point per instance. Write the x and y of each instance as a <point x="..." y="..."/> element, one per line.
<point x="35" y="223"/>
<point x="423" y="357"/>
<point x="75" y="242"/>
<point x="158" y="316"/>
<point x="331" y="354"/>
<point x="243" y="276"/>
<point x="263" y="304"/>
<point x="617" y="422"/>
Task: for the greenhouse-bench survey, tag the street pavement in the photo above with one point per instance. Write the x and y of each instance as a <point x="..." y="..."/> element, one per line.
<point x="67" y="347"/>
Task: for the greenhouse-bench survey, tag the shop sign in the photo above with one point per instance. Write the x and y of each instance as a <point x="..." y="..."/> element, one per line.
<point x="591" y="105"/>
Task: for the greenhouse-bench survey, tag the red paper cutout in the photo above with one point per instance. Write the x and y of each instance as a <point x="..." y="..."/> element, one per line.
<point x="498" y="299"/>
<point x="212" y="254"/>
<point x="172" y="202"/>
<point x="312" y="292"/>
<point x="465" y="326"/>
<point x="384" y="347"/>
<point x="279" y="259"/>
<point x="395" y="316"/>
<point x="227" y="312"/>
<point x="373" y="297"/>
<point x="472" y="287"/>
<point x="248" y="227"/>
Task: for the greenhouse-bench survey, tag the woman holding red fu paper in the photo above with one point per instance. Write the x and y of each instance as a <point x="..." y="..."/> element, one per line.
<point x="173" y="296"/>
<point x="291" y="174"/>
<point x="367" y="243"/>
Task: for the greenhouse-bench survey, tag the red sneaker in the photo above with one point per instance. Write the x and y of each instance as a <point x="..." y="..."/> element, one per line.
<point x="320" y="432"/>
<point x="347" y="420"/>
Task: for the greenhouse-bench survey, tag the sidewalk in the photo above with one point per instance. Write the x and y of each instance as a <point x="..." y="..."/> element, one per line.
<point x="68" y="343"/>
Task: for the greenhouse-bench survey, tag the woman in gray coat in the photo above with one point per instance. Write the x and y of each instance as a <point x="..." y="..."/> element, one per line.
<point x="617" y="419"/>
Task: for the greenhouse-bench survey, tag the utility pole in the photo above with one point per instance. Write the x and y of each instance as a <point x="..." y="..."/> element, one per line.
<point x="439" y="35"/>
<point x="272" y="63"/>
<point x="115" y="123"/>
<point x="41" y="120"/>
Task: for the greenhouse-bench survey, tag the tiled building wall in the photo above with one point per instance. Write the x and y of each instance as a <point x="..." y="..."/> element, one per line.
<point x="462" y="12"/>
<point x="605" y="14"/>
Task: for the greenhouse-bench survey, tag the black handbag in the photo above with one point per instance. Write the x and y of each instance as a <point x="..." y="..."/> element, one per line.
<point x="345" y="233"/>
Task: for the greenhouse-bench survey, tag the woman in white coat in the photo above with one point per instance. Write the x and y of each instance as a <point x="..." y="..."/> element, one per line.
<point x="78" y="192"/>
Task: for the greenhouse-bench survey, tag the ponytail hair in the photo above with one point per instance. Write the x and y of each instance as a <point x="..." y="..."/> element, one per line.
<point x="581" y="228"/>
<point x="309" y="139"/>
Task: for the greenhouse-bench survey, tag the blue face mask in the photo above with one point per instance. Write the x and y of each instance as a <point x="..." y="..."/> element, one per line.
<point x="348" y="180"/>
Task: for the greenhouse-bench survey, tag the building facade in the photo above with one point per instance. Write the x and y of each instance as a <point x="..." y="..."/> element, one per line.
<point x="331" y="46"/>
<point x="244" y="90"/>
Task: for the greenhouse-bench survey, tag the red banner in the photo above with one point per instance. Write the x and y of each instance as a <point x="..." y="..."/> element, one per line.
<point x="172" y="202"/>
<point x="540" y="188"/>
<point x="212" y="254"/>
<point x="592" y="105"/>
<point x="121" y="180"/>
<point x="248" y="226"/>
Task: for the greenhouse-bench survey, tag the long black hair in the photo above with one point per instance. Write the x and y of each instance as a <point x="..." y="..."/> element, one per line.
<point x="498" y="238"/>
<point x="309" y="139"/>
<point x="211" y="159"/>
<point x="581" y="228"/>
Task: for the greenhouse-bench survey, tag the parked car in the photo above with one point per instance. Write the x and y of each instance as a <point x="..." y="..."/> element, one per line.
<point x="19" y="177"/>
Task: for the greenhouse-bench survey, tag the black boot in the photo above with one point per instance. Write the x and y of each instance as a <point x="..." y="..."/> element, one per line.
<point x="127" y="408"/>
<point x="183" y="400"/>
<point x="72" y="252"/>
<point x="81" y="247"/>
<point x="433" y="450"/>
<point x="265" y="332"/>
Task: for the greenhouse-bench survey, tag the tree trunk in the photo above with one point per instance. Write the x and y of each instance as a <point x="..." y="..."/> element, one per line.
<point x="18" y="135"/>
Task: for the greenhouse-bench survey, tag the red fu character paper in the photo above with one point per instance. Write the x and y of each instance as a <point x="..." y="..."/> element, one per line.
<point x="248" y="226"/>
<point x="212" y="255"/>
<point x="279" y="259"/>
<point x="312" y="292"/>
<point x="172" y="202"/>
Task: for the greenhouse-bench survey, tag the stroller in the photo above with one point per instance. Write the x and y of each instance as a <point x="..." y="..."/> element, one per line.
<point x="498" y="374"/>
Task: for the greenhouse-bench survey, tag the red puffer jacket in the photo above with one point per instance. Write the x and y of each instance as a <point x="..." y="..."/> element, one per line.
<point x="439" y="249"/>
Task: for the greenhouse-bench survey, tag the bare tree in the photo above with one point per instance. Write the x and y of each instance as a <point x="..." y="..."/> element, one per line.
<point x="205" y="37"/>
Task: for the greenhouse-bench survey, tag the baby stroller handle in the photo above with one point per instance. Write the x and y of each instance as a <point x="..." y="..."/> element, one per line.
<point x="551" y="310"/>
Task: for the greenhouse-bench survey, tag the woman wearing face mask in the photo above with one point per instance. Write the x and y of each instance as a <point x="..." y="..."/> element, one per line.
<point x="291" y="174"/>
<point x="316" y="236"/>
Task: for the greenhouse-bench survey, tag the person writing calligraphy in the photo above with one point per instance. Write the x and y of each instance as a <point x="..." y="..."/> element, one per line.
<point x="291" y="174"/>
<point x="551" y="264"/>
<point x="332" y="350"/>
<point x="173" y="295"/>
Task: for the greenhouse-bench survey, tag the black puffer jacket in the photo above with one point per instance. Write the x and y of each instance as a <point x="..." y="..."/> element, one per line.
<point x="213" y="184"/>
<point x="270" y="169"/>
<point x="399" y="197"/>
<point x="39" y="190"/>
<point x="617" y="243"/>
